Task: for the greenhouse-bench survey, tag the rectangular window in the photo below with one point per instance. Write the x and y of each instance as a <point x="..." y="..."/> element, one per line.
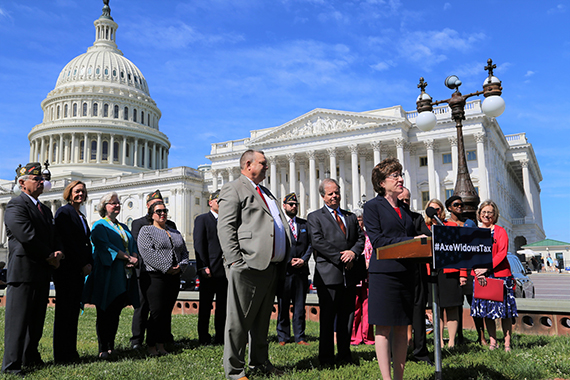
<point x="471" y="155"/>
<point x="165" y="200"/>
<point x="446" y="158"/>
<point x="197" y="201"/>
<point x="448" y="193"/>
<point x="423" y="161"/>
<point x="425" y="199"/>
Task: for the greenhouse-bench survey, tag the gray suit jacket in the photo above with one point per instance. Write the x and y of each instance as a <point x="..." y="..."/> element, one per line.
<point x="245" y="225"/>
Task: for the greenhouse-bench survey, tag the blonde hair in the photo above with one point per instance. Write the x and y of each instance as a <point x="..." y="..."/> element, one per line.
<point x="69" y="189"/>
<point x="429" y="220"/>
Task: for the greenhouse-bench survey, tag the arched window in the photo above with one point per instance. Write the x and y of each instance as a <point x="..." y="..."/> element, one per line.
<point x="81" y="149"/>
<point x="105" y="151"/>
<point x="95" y="109"/>
<point x="93" y="149"/>
<point x="127" y="153"/>
<point x="57" y="116"/>
<point x="135" y="115"/>
<point x="142" y="117"/>
<point x="106" y="110"/>
<point x="142" y="157"/>
<point x="84" y="111"/>
<point x="148" y="119"/>
<point x="126" y="113"/>
<point x="149" y="158"/>
<point x="115" y="151"/>
<point x="53" y="153"/>
<point x="65" y="110"/>
<point x="116" y="112"/>
<point x="74" y="109"/>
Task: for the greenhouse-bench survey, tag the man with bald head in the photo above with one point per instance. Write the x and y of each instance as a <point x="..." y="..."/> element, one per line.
<point x="255" y="242"/>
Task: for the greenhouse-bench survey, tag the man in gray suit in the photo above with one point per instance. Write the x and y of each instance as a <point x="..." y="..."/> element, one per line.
<point x="34" y="252"/>
<point x="338" y="243"/>
<point x="255" y="242"/>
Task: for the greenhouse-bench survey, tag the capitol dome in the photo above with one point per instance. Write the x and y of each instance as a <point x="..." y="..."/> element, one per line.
<point x="99" y="120"/>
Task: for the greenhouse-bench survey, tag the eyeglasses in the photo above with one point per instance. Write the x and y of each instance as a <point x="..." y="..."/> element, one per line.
<point x="396" y="175"/>
<point x="37" y="179"/>
<point x="457" y="204"/>
<point x="161" y="211"/>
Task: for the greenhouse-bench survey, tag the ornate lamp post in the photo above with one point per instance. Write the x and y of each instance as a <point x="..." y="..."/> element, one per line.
<point x="493" y="105"/>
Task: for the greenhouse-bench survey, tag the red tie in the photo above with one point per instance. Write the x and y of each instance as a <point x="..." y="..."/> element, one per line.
<point x="261" y="195"/>
<point x="339" y="222"/>
<point x="40" y="207"/>
<point x="292" y="225"/>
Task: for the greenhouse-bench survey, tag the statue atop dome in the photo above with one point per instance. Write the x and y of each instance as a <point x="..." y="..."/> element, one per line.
<point x="106" y="10"/>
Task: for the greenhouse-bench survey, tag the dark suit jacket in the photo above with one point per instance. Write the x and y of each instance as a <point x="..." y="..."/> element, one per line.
<point x="328" y="240"/>
<point x="384" y="227"/>
<point x="76" y="243"/>
<point x="207" y="245"/>
<point x="31" y="239"/>
<point x="143" y="221"/>
<point x="301" y="248"/>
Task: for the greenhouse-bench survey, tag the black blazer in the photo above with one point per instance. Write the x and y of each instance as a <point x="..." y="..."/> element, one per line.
<point x="328" y="240"/>
<point x="76" y="242"/>
<point x="31" y="239"/>
<point x="207" y="245"/>
<point x="384" y="227"/>
<point x="143" y="221"/>
<point x="301" y="248"/>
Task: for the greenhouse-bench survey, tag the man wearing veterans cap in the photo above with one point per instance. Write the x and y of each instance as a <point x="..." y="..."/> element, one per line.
<point x="294" y="288"/>
<point x="140" y="315"/>
<point x="34" y="251"/>
<point x="212" y="274"/>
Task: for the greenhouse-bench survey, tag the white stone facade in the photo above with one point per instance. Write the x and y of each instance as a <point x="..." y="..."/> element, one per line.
<point x="347" y="145"/>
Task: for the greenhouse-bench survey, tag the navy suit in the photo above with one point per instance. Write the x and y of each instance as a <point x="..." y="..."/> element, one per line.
<point x="209" y="255"/>
<point x="31" y="240"/>
<point x="68" y="280"/>
<point x="336" y="286"/>
<point x="295" y="287"/>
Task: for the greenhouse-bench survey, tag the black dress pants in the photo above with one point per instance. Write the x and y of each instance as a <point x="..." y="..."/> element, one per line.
<point x="209" y="287"/>
<point x="68" y="291"/>
<point x="108" y="323"/>
<point x="161" y="294"/>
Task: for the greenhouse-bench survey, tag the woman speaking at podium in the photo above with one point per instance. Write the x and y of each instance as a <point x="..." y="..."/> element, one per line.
<point x="388" y="221"/>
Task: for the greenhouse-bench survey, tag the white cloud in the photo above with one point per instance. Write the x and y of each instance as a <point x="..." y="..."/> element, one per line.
<point x="529" y="73"/>
<point x="446" y="6"/>
<point x="381" y="66"/>
<point x="560" y="8"/>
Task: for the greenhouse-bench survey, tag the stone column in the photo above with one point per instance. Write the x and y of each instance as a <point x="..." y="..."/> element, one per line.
<point x="100" y="148"/>
<point x="32" y="151"/>
<point x="410" y="151"/>
<point x="355" y="176"/>
<point x="483" y="188"/>
<point x="124" y="155"/>
<point x="166" y="159"/>
<point x="342" y="179"/>
<point x="363" y="175"/>
<point x="36" y="151"/>
<point x="431" y="169"/>
<point x="136" y="153"/>
<point x="60" y="150"/>
<point x="321" y="160"/>
<point x="154" y="163"/>
<point x="230" y="174"/>
<point x="86" y="149"/>
<point x="43" y="150"/>
<point x="146" y="155"/>
<point x="50" y="157"/>
<point x="283" y="180"/>
<point x="313" y="191"/>
<point x="406" y="166"/>
<point x="332" y="159"/>
<point x="302" y="191"/>
<point x="529" y="218"/>
<point x="292" y="172"/>
<point x="376" y="146"/>
<point x="273" y="174"/>
<point x="214" y="179"/>
<point x="400" y="149"/>
<point x="454" y="157"/>
<point x="111" y="159"/>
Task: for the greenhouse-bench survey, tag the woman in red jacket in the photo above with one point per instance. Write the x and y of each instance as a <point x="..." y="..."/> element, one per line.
<point x="488" y="214"/>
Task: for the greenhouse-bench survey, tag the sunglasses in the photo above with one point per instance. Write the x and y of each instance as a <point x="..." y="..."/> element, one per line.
<point x="292" y="204"/>
<point x="37" y="179"/>
<point x="161" y="211"/>
<point x="457" y="204"/>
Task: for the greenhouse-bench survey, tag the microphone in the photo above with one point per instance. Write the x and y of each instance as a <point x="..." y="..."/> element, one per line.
<point x="432" y="213"/>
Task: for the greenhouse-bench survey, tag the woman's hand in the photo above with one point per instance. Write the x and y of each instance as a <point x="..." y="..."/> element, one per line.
<point x="480" y="274"/>
<point x="86" y="269"/>
<point x="173" y="270"/>
<point x="420" y="236"/>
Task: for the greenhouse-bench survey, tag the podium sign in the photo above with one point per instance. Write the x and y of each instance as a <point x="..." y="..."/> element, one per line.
<point x="461" y="247"/>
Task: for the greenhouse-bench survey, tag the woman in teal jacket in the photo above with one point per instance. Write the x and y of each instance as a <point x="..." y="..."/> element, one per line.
<point x="112" y="283"/>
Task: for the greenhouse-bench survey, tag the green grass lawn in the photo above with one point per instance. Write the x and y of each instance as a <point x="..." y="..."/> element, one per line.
<point x="533" y="357"/>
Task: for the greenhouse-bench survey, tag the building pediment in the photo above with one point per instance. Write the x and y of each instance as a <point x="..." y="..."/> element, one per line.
<point x="326" y="122"/>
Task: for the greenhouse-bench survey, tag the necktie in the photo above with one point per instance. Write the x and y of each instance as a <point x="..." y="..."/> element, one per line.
<point x="292" y="225"/>
<point x="40" y="208"/>
<point x="339" y="222"/>
<point x="261" y="195"/>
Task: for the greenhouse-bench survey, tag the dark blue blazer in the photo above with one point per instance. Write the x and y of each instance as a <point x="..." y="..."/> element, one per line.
<point x="384" y="227"/>
<point x="328" y="240"/>
<point x="76" y="242"/>
<point x="207" y="245"/>
<point x="301" y="248"/>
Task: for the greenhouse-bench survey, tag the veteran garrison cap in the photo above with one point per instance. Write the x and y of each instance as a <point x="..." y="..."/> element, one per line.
<point x="32" y="168"/>
<point x="214" y="195"/>
<point x="153" y="196"/>
<point x="290" y="198"/>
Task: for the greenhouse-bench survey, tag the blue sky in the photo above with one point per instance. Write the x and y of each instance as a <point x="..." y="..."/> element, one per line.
<point x="220" y="68"/>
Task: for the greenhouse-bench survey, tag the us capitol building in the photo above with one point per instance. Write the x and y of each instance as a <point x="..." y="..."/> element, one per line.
<point x="101" y="126"/>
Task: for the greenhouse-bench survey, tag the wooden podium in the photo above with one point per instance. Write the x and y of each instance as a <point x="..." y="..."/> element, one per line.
<point x="420" y="249"/>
